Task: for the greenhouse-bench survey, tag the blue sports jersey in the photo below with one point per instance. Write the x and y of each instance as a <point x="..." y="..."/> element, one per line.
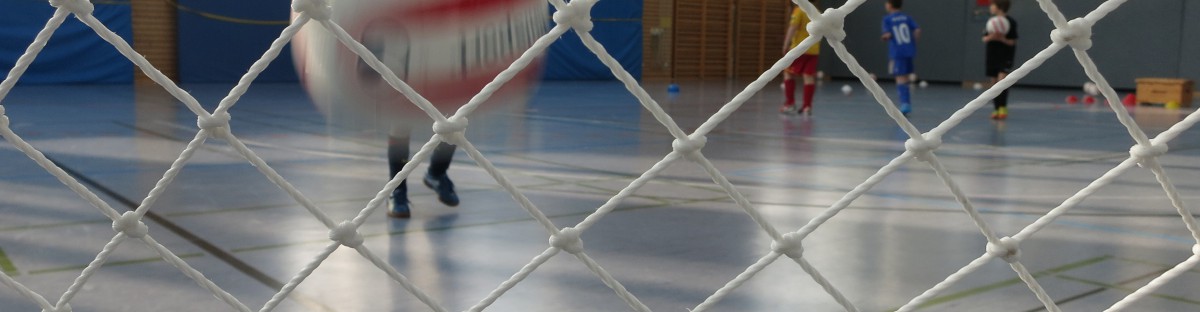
<point x="902" y="27"/>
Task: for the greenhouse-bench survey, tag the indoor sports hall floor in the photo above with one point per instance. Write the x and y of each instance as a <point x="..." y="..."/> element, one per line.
<point x="575" y="145"/>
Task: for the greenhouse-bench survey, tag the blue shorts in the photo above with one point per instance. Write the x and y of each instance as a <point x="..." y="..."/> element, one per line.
<point x="901" y="66"/>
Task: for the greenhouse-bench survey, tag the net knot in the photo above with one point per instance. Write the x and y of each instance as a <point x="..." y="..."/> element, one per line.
<point x="829" y="24"/>
<point x="1196" y="249"/>
<point x="346" y="233"/>
<point x="567" y="240"/>
<point x="65" y="308"/>
<point x="689" y="146"/>
<point x="315" y="9"/>
<point x="131" y="224"/>
<point x="79" y="7"/>
<point x="3" y="118"/>
<point x="790" y="245"/>
<point x="1077" y="33"/>
<point x="577" y="14"/>
<point x="451" y="130"/>
<point x="924" y="146"/>
<point x="1008" y="249"/>
<point x="213" y="121"/>
<point x="1147" y="151"/>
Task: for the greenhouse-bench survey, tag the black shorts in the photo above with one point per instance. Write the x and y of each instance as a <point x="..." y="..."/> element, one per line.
<point x="995" y="66"/>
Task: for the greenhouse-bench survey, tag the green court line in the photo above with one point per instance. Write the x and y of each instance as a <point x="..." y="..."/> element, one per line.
<point x="53" y="225"/>
<point x="1094" y="290"/>
<point x="258" y="207"/>
<point x="7" y="266"/>
<point x="437" y="229"/>
<point x="706" y="187"/>
<point x="1152" y="263"/>
<point x="363" y="200"/>
<point x="662" y="204"/>
<point x="602" y="191"/>
<point x="607" y="191"/>
<point x="588" y="184"/>
<point x="548" y="179"/>
<point x="177" y="214"/>
<point x="1129" y="290"/>
<point x="112" y="263"/>
<point x="1009" y="282"/>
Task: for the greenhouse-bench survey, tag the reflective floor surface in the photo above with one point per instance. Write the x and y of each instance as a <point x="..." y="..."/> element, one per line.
<point x="576" y="144"/>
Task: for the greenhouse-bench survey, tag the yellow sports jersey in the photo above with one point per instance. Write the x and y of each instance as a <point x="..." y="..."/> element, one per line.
<point x="801" y="20"/>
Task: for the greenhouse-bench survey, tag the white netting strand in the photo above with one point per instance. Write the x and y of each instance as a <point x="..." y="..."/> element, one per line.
<point x="576" y="15"/>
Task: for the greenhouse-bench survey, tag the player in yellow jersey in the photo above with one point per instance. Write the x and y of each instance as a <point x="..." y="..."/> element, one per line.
<point x="805" y="65"/>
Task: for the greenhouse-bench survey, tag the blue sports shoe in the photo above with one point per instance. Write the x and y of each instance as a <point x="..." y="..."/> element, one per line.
<point x="905" y="108"/>
<point x="399" y="205"/>
<point x="444" y="188"/>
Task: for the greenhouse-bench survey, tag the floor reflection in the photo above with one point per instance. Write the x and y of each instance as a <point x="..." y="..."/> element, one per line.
<point x="672" y="243"/>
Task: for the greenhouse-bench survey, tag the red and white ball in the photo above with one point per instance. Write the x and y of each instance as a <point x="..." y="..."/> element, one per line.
<point x="1091" y="88"/>
<point x="447" y="50"/>
<point x="997" y="25"/>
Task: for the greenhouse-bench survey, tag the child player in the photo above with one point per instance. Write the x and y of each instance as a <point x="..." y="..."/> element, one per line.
<point x="805" y="65"/>
<point x="901" y="33"/>
<point x="1000" y="38"/>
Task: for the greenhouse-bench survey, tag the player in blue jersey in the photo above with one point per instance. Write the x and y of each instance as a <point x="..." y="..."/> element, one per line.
<point x="901" y="33"/>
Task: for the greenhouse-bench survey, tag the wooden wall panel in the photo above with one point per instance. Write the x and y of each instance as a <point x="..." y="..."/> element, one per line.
<point x="656" y="39"/>
<point x="715" y="39"/>
<point x="154" y="36"/>
<point x="759" y="29"/>
<point x="702" y="39"/>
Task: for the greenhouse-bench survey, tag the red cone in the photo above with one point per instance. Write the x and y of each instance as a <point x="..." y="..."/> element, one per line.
<point x="1088" y="99"/>
<point x="1072" y="99"/>
<point x="1130" y="100"/>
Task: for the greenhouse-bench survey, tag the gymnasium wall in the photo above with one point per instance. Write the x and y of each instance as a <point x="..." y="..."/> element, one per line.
<point x="1149" y="38"/>
<point x="74" y="54"/>
<point x="618" y="26"/>
<point x="715" y="39"/>
<point x="220" y="39"/>
<point x="1190" y="45"/>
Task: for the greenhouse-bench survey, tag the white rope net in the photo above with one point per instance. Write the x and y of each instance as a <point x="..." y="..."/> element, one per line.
<point x="575" y="15"/>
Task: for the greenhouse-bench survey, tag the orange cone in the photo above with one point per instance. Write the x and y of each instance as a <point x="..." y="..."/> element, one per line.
<point x="1130" y="100"/>
<point x="1072" y="99"/>
<point x="1088" y="99"/>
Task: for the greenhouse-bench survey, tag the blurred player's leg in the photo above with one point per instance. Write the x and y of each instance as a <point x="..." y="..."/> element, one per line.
<point x="1001" y="101"/>
<point x="437" y="179"/>
<point x="808" y="71"/>
<point x="397" y="154"/>
<point x="810" y="89"/>
<point x="901" y="68"/>
<point x="789" y="91"/>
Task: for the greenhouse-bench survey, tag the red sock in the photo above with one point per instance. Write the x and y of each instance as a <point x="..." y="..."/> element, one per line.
<point x="809" y="89"/>
<point x="789" y="91"/>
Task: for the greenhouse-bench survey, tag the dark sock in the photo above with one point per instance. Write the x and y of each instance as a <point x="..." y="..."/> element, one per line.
<point x="397" y="154"/>
<point x="1001" y="100"/>
<point x="442" y="155"/>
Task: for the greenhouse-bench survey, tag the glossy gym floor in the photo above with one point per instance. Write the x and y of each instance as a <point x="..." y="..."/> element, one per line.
<point x="571" y="148"/>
